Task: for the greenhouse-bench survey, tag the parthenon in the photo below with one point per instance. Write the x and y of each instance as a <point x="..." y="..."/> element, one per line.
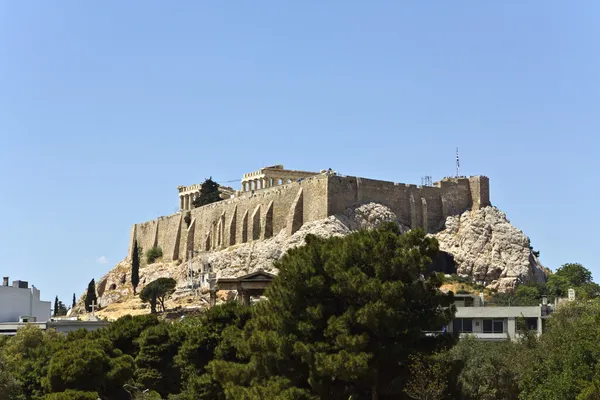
<point x="272" y="176"/>
<point x="262" y="179"/>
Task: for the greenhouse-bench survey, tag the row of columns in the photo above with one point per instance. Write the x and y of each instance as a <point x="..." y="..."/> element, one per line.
<point x="263" y="183"/>
<point x="186" y="200"/>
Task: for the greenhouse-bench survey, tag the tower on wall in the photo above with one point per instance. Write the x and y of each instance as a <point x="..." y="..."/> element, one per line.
<point x="480" y="191"/>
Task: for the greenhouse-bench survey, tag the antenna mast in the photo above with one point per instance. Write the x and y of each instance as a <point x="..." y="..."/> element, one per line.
<point x="457" y="162"/>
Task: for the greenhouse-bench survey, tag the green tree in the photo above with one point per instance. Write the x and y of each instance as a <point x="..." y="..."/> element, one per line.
<point x="123" y="332"/>
<point x="209" y="193"/>
<point x="74" y="301"/>
<point x="155" y="368"/>
<point x="27" y="355"/>
<point x="90" y="296"/>
<point x="205" y="338"/>
<point x="485" y="369"/>
<point x="135" y="266"/>
<point x="564" y="363"/>
<point x="10" y="389"/>
<point x="157" y="292"/>
<point x="343" y="317"/>
<point x="575" y="273"/>
<point x="70" y="394"/>
<point x="427" y="379"/>
<point x="56" y="306"/>
<point x="89" y="365"/>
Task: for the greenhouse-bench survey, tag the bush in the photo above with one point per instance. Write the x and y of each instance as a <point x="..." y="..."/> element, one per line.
<point x="187" y="219"/>
<point x="153" y="254"/>
<point x="72" y="395"/>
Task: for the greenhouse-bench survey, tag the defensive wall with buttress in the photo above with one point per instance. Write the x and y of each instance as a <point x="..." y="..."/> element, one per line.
<point x="259" y="212"/>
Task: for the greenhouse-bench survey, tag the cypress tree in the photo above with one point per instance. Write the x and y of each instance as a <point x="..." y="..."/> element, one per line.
<point x="135" y="266"/>
<point x="74" y="301"/>
<point x="90" y="295"/>
<point x="56" y="306"/>
<point x="209" y="193"/>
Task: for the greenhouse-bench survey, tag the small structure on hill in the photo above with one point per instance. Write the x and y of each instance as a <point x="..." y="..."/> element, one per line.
<point x="247" y="286"/>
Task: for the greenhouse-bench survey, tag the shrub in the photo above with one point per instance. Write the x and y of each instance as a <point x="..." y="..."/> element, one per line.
<point x="187" y="219"/>
<point x="153" y="254"/>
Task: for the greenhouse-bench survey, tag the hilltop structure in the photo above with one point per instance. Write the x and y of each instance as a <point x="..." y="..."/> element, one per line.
<point x="273" y="199"/>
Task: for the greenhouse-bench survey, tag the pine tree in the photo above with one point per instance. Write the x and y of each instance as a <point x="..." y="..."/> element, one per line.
<point x="56" y="306"/>
<point x="90" y="297"/>
<point x="74" y="301"/>
<point x="135" y="266"/>
<point x="209" y="193"/>
<point x="344" y="316"/>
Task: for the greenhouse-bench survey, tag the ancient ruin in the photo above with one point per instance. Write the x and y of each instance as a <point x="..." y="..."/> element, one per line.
<point x="273" y="199"/>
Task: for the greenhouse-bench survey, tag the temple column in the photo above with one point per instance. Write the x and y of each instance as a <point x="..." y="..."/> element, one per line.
<point x="243" y="186"/>
<point x="187" y="201"/>
<point x="181" y="202"/>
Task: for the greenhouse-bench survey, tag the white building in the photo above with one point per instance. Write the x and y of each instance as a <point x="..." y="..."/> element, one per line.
<point x="19" y="303"/>
<point x="488" y="322"/>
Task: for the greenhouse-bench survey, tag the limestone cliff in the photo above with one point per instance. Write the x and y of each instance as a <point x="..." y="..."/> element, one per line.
<point x="483" y="243"/>
<point x="489" y="250"/>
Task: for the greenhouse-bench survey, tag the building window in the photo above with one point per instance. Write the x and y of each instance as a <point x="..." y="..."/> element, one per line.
<point x="531" y="324"/>
<point x="493" y="326"/>
<point x="462" y="325"/>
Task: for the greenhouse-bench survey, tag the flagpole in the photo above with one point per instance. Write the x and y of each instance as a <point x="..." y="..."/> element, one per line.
<point x="457" y="162"/>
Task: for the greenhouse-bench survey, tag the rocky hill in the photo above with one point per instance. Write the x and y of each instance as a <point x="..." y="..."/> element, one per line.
<point x="483" y="244"/>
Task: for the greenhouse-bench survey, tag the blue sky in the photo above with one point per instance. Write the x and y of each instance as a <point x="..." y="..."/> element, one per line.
<point x="105" y="108"/>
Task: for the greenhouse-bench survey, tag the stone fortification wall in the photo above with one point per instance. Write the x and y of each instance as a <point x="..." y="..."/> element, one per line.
<point x="415" y="206"/>
<point x="260" y="214"/>
<point x="251" y="216"/>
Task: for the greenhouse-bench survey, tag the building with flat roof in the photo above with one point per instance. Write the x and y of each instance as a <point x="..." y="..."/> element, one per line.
<point x="20" y="303"/>
<point x="490" y="322"/>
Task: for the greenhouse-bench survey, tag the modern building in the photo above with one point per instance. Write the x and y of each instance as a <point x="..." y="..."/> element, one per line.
<point x="20" y="303"/>
<point x="490" y="322"/>
<point x="60" y="325"/>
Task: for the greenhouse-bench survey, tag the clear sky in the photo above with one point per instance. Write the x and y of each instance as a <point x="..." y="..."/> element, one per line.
<point x="106" y="107"/>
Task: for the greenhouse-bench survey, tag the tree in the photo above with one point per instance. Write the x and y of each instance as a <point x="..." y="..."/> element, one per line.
<point x="428" y="380"/>
<point x="90" y="296"/>
<point x="564" y="363"/>
<point x="9" y="386"/>
<point x="74" y="301"/>
<point x="27" y="355"/>
<point x="135" y="266"/>
<point x="343" y="317"/>
<point x="575" y="273"/>
<point x="158" y="290"/>
<point x="485" y="370"/>
<point x="155" y="369"/>
<point x="88" y="364"/>
<point x="56" y="306"/>
<point x="209" y="193"/>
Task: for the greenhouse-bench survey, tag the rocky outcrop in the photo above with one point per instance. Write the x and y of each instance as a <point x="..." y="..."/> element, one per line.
<point x="489" y="250"/>
<point x="483" y="243"/>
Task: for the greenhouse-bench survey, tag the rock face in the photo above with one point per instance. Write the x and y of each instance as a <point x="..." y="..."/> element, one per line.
<point x="489" y="250"/>
<point x="485" y="247"/>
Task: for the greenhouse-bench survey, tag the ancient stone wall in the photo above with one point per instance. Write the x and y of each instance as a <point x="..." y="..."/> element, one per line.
<point x="256" y="215"/>
<point x="250" y="216"/>
<point x="415" y="206"/>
